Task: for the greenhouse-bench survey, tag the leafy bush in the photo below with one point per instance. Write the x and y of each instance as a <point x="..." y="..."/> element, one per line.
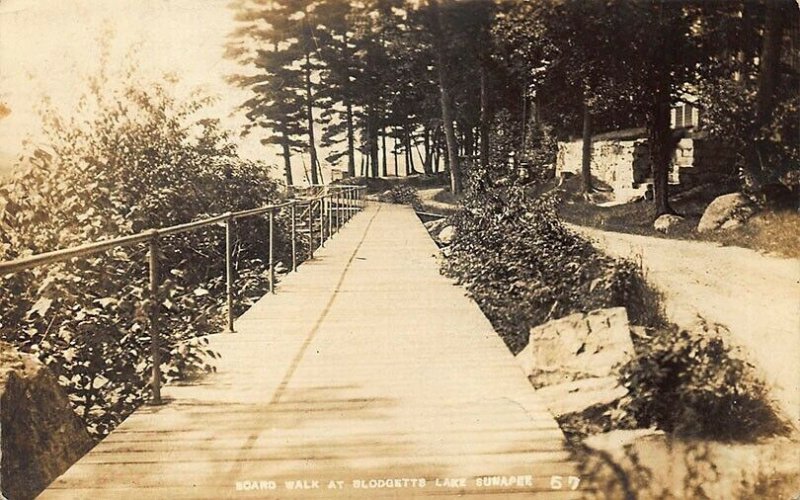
<point x="524" y="267"/>
<point x="131" y="157"/>
<point x="690" y="383"/>
<point x="403" y="194"/>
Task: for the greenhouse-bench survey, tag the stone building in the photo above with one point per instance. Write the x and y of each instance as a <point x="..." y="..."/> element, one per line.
<point x="621" y="158"/>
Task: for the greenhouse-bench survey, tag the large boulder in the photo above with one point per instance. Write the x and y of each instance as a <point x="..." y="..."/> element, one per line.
<point x="41" y="434"/>
<point x="666" y="223"/>
<point x="729" y="207"/>
<point x="446" y="235"/>
<point x="577" y="346"/>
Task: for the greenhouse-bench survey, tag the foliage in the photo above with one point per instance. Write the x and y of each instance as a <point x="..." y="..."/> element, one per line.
<point x="728" y="115"/>
<point x="403" y="194"/>
<point x="524" y="267"/>
<point x="131" y="157"/>
<point x="691" y="383"/>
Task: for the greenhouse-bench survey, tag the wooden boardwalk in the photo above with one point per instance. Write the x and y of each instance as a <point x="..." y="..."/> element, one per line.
<point x="366" y="373"/>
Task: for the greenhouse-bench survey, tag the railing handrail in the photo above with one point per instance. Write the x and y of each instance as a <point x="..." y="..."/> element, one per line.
<point x="349" y="196"/>
<point x="64" y="254"/>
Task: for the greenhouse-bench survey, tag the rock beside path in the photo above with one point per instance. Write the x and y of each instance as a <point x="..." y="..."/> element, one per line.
<point x="577" y="346"/>
<point x="441" y="231"/>
<point x="446" y="235"/>
<point x="41" y="434"/>
<point x="667" y="222"/>
<point x="572" y="361"/>
<point x="726" y="211"/>
<point x="435" y="226"/>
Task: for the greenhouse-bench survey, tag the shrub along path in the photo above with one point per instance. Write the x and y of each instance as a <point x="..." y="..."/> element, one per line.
<point x="367" y="365"/>
<point x="756" y="297"/>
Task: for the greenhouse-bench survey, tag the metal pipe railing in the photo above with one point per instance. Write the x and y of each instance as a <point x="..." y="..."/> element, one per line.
<point x="153" y="236"/>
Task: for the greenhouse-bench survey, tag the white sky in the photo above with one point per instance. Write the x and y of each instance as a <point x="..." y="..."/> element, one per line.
<point x="47" y="45"/>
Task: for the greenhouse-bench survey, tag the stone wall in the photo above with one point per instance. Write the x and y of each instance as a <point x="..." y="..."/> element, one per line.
<point x="612" y="162"/>
<point x="624" y="164"/>
<point x="40" y="434"/>
<point x="711" y="160"/>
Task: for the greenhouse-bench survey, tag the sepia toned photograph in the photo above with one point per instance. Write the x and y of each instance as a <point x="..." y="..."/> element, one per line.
<point x="312" y="249"/>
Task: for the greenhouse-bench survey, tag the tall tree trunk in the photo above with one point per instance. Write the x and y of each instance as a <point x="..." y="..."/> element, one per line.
<point x="485" y="118"/>
<point x="409" y="152"/>
<point x="469" y="142"/>
<point x="394" y="152"/>
<point x="768" y="76"/>
<point x="385" y="167"/>
<point x="769" y="70"/>
<point x="446" y="100"/>
<point x="287" y="159"/>
<point x="406" y="151"/>
<point x="660" y="139"/>
<point x="586" y="158"/>
<point x="410" y="141"/>
<point x="523" y="139"/>
<point x="437" y="148"/>
<point x="372" y="136"/>
<point x="310" y="116"/>
<point x="426" y="163"/>
<point x="351" y="150"/>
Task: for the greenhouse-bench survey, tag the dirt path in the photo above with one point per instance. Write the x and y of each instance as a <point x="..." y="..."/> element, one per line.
<point x="755" y="296"/>
<point x="427" y="197"/>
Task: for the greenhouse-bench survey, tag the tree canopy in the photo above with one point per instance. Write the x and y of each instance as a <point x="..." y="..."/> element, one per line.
<point x="437" y="74"/>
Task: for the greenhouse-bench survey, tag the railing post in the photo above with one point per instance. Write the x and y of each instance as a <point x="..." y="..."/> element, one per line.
<point x="322" y="221"/>
<point x="229" y="269"/>
<point x="271" y="250"/>
<point x="344" y="207"/>
<point x="349" y="204"/>
<point x="311" y="229"/>
<point x="330" y="215"/>
<point x="294" y="236"/>
<point x="338" y="226"/>
<point x="155" y="383"/>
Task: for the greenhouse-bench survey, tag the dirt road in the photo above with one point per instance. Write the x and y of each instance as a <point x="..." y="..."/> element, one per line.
<point x="755" y="296"/>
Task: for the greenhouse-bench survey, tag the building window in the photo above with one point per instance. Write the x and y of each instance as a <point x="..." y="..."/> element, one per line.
<point x="687" y="116"/>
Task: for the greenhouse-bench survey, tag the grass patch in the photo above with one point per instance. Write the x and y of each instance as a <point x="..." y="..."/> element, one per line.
<point x="770" y="232"/>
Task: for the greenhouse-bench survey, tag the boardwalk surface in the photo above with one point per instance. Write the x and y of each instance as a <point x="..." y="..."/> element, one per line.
<point x="367" y="370"/>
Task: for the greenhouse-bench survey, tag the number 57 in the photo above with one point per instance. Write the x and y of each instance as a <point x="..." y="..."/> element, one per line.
<point x="557" y="482"/>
